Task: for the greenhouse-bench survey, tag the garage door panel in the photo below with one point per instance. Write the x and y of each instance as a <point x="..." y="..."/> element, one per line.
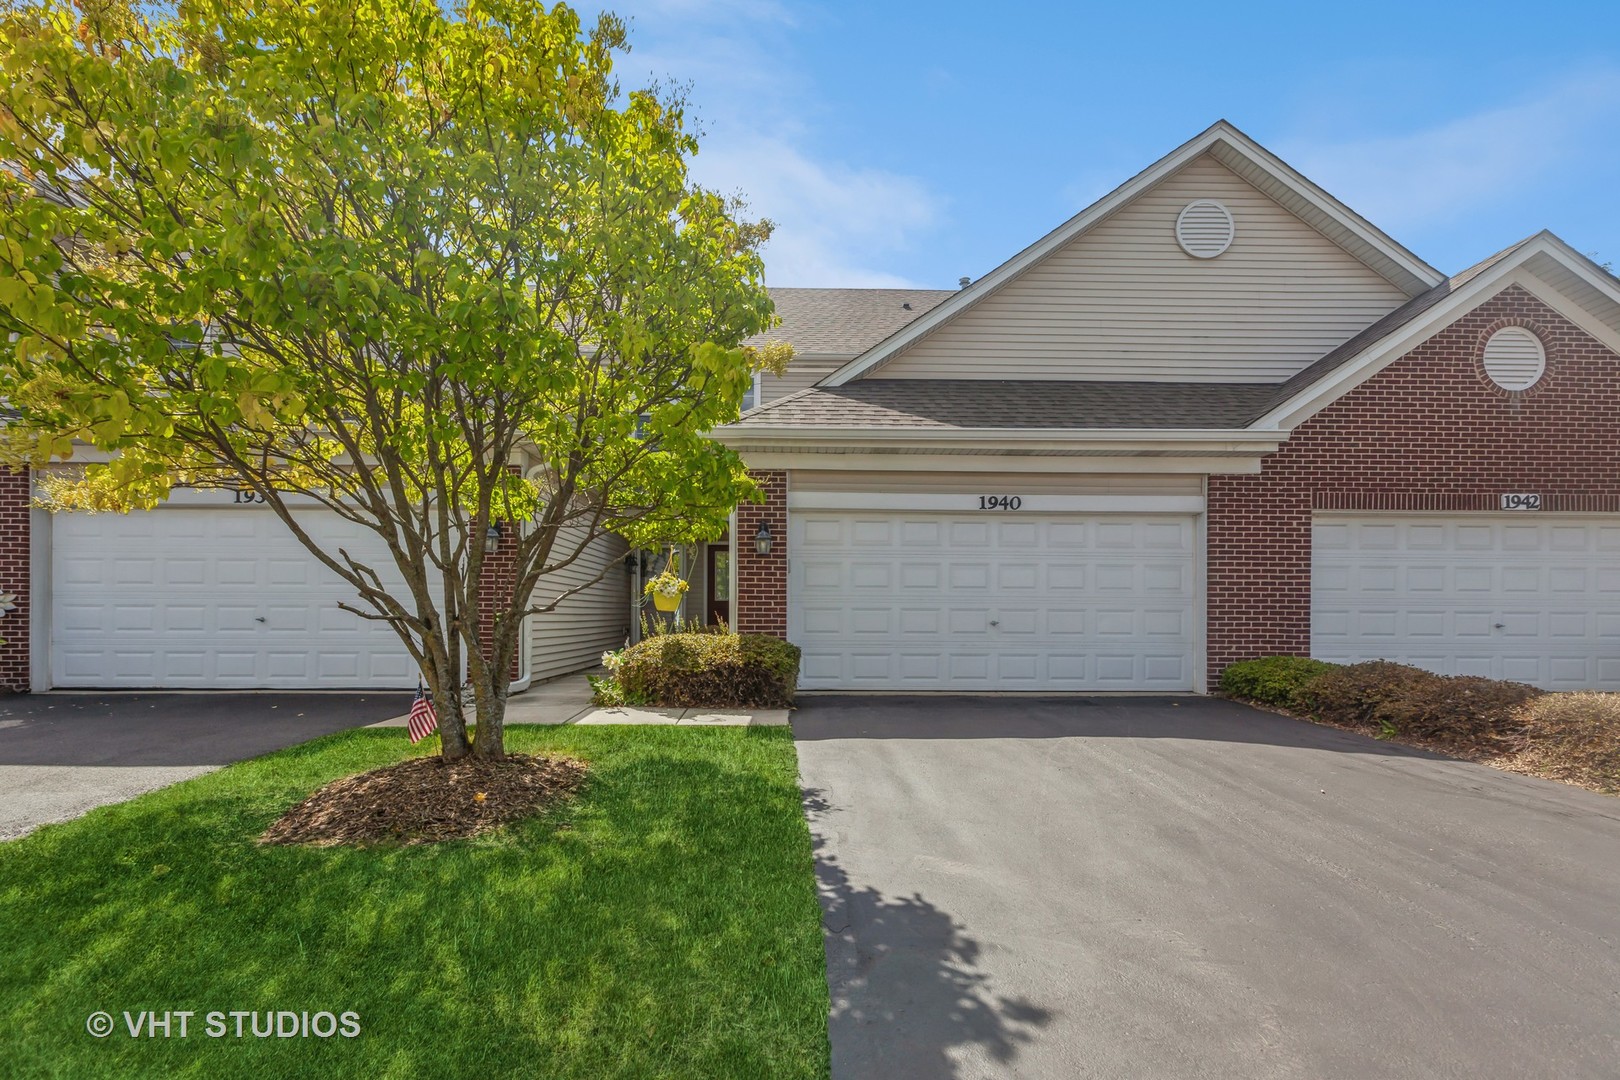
<point x="1018" y="534"/>
<point x="225" y="597"/>
<point x="1017" y="576"/>
<point x="823" y="575"/>
<point x="963" y="575"/>
<point x="1535" y="601"/>
<point x="991" y="603"/>
<point x="919" y="667"/>
<point x="1066" y="576"/>
<point x="923" y="533"/>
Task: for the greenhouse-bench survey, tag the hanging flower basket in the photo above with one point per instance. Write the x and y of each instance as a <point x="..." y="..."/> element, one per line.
<point x="667" y="588"/>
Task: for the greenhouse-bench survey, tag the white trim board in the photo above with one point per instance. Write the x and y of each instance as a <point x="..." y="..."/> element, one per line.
<point x="788" y="458"/>
<point x="1220" y="134"/>
<point x="969" y="504"/>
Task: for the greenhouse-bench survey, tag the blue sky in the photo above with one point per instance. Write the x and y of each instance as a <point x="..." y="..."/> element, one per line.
<point x="901" y="144"/>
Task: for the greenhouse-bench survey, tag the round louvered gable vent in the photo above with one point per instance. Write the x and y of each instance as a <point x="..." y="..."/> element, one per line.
<point x="1204" y="229"/>
<point x="1515" y="358"/>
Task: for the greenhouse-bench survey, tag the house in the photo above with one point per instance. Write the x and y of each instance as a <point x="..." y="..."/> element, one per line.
<point x="1214" y="416"/>
<point x="211" y="591"/>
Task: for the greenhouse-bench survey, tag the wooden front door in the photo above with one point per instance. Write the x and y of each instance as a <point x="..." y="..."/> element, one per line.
<point x="717" y="606"/>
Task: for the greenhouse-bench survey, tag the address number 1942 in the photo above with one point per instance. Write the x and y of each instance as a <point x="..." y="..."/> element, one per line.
<point x="1521" y="502"/>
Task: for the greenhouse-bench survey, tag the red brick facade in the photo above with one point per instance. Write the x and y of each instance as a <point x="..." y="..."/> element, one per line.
<point x="15" y="537"/>
<point x="1429" y="432"/>
<point x="494" y="585"/>
<point x="762" y="580"/>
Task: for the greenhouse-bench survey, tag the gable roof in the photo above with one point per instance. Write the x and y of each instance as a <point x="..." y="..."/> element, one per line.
<point x="1545" y="265"/>
<point x="940" y="405"/>
<point x="845" y="322"/>
<point x="1237" y="152"/>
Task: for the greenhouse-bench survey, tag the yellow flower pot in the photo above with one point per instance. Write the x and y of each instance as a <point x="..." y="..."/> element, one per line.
<point x="665" y="602"/>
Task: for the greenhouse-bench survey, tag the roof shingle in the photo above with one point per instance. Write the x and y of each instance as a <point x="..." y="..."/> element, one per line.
<point x="845" y="322"/>
<point x="947" y="404"/>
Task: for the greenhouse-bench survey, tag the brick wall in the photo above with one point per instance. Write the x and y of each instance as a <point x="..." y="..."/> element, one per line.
<point x="1429" y="432"/>
<point x="14" y="561"/>
<point x="762" y="579"/>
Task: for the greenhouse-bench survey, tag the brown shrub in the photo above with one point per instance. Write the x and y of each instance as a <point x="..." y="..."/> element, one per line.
<point x="1396" y="701"/>
<point x="708" y="670"/>
<point x="1573" y="737"/>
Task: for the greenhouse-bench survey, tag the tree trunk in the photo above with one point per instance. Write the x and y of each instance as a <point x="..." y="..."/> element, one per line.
<point x="491" y="741"/>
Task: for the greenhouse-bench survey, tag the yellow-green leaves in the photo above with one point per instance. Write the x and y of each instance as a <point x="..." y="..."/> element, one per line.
<point x="246" y="238"/>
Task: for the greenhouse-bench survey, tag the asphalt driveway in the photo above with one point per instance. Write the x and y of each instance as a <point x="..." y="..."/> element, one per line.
<point x="1173" y="888"/>
<point x="62" y="754"/>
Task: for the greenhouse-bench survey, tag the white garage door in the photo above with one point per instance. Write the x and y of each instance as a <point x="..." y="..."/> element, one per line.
<point x="1533" y="599"/>
<point x="194" y="597"/>
<point x="927" y="601"/>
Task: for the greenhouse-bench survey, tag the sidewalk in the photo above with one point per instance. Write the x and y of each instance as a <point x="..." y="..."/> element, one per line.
<point x="567" y="700"/>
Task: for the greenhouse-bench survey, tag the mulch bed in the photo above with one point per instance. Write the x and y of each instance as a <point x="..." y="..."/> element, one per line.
<point x="1522" y="761"/>
<point x="426" y="800"/>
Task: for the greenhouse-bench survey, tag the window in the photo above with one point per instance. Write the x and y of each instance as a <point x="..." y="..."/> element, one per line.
<point x="751" y="395"/>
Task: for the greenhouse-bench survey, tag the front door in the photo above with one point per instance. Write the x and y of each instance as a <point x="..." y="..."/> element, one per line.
<point x="717" y="608"/>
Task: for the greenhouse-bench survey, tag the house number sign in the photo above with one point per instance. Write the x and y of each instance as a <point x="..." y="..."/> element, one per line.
<point x="1000" y="502"/>
<point x="1521" y="502"/>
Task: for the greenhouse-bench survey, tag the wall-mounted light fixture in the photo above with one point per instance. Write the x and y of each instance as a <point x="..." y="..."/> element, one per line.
<point x="492" y="537"/>
<point x="763" y="539"/>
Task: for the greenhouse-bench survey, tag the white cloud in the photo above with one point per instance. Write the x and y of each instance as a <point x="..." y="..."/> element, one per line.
<point x="836" y="220"/>
<point x="1429" y="177"/>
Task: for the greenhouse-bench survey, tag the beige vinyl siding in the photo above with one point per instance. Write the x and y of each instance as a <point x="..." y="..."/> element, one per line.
<point x="1010" y="483"/>
<point x="581" y="628"/>
<point x="802" y="372"/>
<point x="1123" y="301"/>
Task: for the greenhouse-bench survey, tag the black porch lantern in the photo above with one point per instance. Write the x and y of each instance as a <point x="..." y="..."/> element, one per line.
<point x="762" y="539"/>
<point x="492" y="537"/>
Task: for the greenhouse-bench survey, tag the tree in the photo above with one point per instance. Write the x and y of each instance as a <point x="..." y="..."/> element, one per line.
<point x="378" y="257"/>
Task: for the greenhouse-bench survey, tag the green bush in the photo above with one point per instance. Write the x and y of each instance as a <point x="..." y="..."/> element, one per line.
<point x="709" y="670"/>
<point x="1396" y="701"/>
<point x="1272" y="680"/>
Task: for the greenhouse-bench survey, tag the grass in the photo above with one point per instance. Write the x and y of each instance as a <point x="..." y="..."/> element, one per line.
<point x="665" y="924"/>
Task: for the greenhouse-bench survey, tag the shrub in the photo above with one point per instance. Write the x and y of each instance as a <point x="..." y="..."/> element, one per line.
<point x="1396" y="701"/>
<point x="711" y="670"/>
<point x="1273" y="680"/>
<point x="1574" y="737"/>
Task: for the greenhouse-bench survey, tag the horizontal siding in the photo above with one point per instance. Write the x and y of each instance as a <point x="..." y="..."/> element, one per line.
<point x="800" y="375"/>
<point x="575" y="635"/>
<point x="1123" y="301"/>
<point x="1008" y="483"/>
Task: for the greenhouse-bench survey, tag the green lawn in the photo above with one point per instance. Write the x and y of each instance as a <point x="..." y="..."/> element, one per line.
<point x="663" y="925"/>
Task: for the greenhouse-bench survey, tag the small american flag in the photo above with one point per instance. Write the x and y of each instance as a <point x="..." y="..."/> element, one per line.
<point x="424" y="721"/>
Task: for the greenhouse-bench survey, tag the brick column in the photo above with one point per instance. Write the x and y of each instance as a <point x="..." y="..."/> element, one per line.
<point x="762" y="580"/>
<point x="15" y="540"/>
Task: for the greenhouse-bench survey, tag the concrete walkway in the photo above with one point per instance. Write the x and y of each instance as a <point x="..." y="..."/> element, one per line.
<point x="1186" y="887"/>
<point x="559" y="701"/>
<point x="567" y="700"/>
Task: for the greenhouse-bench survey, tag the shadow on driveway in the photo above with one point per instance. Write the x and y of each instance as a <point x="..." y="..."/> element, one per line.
<point x="896" y="967"/>
<point x="215" y="728"/>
